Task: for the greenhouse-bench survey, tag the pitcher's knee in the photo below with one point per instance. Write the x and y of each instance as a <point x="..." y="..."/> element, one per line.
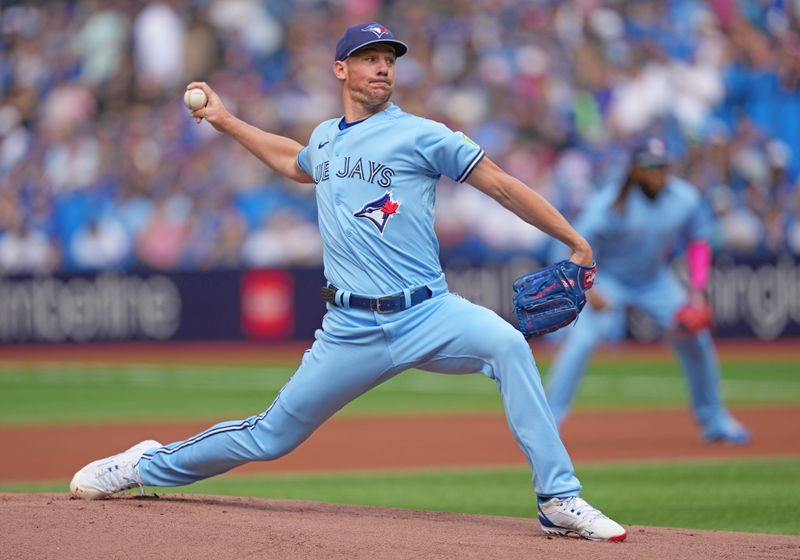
<point x="272" y="452"/>
<point x="505" y="343"/>
<point x="277" y="433"/>
<point x="272" y="447"/>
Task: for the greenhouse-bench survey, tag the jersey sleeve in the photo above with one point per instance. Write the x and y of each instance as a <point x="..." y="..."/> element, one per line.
<point x="701" y="222"/>
<point x="444" y="152"/>
<point x="304" y="161"/>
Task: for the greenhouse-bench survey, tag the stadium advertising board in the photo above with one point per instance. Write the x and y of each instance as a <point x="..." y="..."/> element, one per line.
<point x="750" y="298"/>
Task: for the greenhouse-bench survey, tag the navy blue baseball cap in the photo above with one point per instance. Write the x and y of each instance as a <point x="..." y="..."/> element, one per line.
<point x="650" y="153"/>
<point x="363" y="34"/>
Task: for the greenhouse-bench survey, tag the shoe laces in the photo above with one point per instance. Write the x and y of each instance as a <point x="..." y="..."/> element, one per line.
<point x="114" y="479"/>
<point x="582" y="508"/>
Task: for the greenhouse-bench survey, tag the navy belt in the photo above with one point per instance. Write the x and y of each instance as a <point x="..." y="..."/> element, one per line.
<point x="382" y="304"/>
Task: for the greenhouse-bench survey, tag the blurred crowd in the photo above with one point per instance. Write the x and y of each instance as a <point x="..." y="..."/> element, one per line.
<point x="102" y="168"/>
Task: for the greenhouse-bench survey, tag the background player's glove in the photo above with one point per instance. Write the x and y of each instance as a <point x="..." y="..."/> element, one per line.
<point x="693" y="317"/>
<point x="552" y="297"/>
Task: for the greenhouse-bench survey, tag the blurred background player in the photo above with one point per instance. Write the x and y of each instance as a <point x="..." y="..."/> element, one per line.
<point x="635" y="230"/>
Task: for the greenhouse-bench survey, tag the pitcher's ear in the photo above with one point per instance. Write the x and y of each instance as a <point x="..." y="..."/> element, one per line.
<point x="340" y="69"/>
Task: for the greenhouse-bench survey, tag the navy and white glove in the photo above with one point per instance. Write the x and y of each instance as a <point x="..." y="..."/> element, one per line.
<point x="550" y="298"/>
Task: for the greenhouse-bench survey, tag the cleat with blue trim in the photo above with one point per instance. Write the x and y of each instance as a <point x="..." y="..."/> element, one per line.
<point x="731" y="433"/>
<point x="728" y="437"/>
<point x="104" y="477"/>
<point x="574" y="516"/>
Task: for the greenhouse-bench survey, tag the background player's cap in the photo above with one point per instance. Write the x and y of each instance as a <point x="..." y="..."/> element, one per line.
<point x="650" y="153"/>
<point x="363" y="34"/>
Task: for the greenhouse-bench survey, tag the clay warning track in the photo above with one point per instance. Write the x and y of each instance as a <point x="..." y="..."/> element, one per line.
<point x="413" y="442"/>
<point x="226" y="352"/>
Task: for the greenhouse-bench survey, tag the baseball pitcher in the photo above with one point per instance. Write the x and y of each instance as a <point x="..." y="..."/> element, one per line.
<point x="375" y="171"/>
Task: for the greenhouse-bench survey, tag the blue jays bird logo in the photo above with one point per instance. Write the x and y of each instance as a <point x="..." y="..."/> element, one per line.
<point x="379" y="211"/>
<point x="378" y="30"/>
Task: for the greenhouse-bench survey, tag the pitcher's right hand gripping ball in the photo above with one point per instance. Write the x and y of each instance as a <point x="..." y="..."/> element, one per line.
<point x="552" y="297"/>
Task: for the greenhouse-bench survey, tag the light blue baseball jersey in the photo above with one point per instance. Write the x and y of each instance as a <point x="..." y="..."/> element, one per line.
<point x="375" y="184"/>
<point x="637" y="243"/>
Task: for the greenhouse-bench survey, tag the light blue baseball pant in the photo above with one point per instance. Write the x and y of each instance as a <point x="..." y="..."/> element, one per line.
<point x="357" y="350"/>
<point x="660" y="298"/>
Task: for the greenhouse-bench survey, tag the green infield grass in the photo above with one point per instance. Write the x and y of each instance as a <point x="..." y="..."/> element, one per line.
<point x="45" y="392"/>
<point x="753" y="495"/>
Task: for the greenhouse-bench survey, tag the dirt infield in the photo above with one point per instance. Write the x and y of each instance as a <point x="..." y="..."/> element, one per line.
<point x="413" y="442"/>
<point x="47" y="526"/>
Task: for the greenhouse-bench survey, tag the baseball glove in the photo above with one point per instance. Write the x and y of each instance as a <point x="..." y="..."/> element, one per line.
<point x="694" y="317"/>
<point x="550" y="298"/>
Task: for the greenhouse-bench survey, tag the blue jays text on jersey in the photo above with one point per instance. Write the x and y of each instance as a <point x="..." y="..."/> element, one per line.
<point x="377" y="244"/>
<point x="373" y="172"/>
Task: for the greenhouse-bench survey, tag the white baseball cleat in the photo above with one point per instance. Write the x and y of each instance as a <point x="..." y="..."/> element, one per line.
<point x="730" y="433"/>
<point x="104" y="477"/>
<point x="575" y="516"/>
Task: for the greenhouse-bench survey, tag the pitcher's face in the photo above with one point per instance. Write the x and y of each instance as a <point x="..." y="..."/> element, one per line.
<point x="368" y="75"/>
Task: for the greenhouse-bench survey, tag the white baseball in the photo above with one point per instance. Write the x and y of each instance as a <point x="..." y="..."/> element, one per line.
<point x="195" y="99"/>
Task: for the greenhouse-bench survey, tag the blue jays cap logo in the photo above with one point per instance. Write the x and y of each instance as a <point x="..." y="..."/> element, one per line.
<point x="377" y="29"/>
<point x="362" y="34"/>
<point x="379" y="211"/>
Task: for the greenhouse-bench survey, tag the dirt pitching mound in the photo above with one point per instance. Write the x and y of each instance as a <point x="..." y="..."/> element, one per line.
<point x="44" y="526"/>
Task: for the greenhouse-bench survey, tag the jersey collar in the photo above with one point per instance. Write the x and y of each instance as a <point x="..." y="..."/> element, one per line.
<point x="391" y="109"/>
